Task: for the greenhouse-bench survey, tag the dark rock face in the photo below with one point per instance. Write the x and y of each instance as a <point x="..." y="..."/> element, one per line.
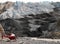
<point x="38" y="25"/>
<point x="32" y="25"/>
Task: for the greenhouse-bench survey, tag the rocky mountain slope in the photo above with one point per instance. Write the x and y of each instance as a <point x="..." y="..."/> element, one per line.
<point x="30" y="19"/>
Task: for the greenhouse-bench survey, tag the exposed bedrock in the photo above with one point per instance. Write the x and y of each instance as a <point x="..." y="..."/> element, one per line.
<point x="31" y="19"/>
<point x="33" y="25"/>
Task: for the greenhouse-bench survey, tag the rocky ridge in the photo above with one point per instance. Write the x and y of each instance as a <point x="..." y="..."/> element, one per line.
<point x="30" y="19"/>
